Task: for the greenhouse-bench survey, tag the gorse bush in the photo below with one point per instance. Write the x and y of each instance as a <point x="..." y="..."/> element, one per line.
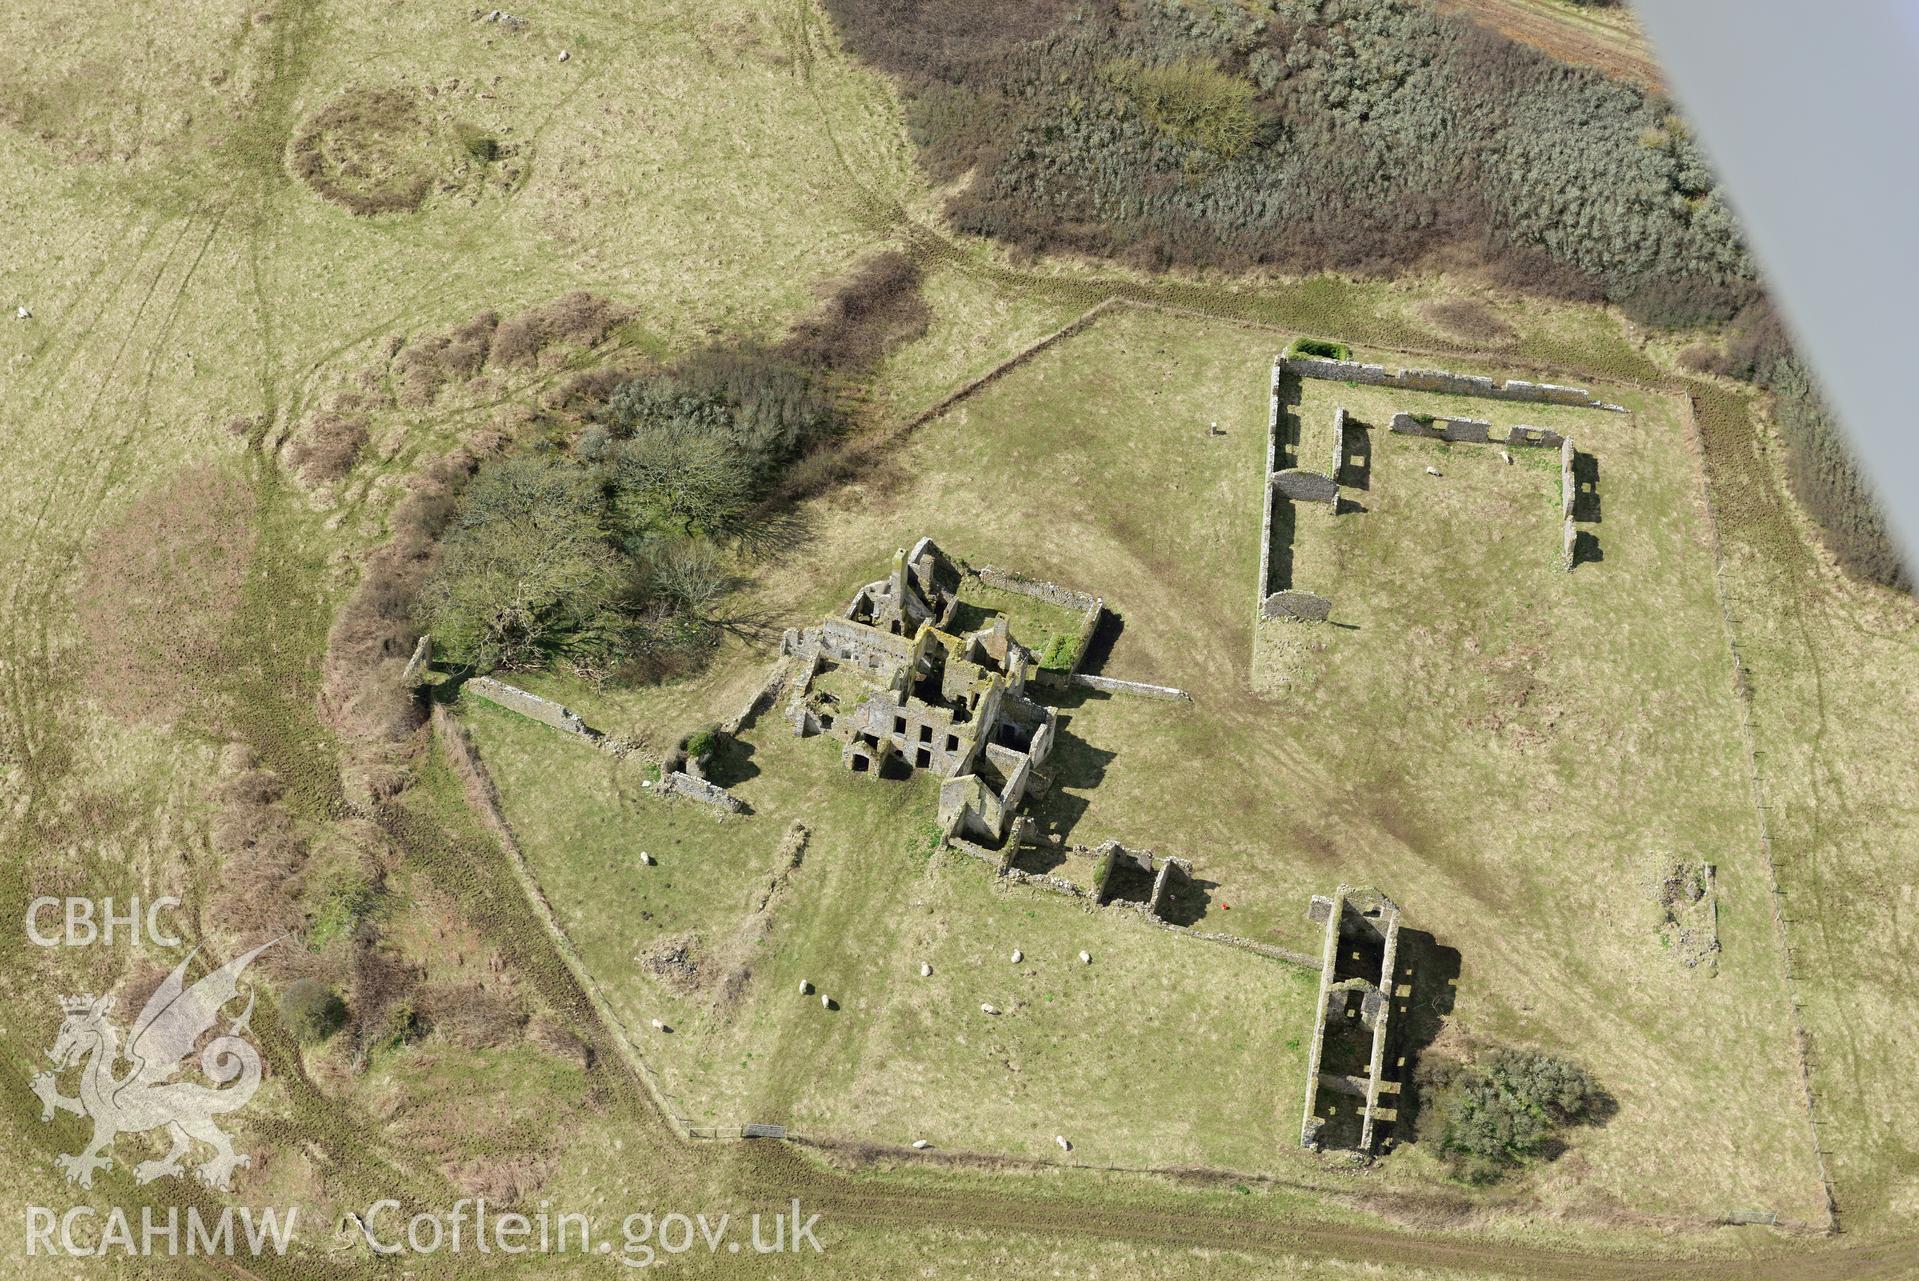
<point x="1487" y="1118"/>
<point x="1348" y="135"/>
<point x="312" y="1010"/>
<point x="1190" y="101"/>
<point x="1320" y="348"/>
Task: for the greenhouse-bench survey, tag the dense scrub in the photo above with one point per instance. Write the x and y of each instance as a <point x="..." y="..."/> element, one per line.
<point x="602" y="556"/>
<point x="1494" y="1114"/>
<point x="1356" y="135"/>
<point x="604" y="550"/>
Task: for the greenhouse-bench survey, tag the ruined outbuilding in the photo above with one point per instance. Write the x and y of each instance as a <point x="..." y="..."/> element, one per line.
<point x="1349" y="1099"/>
<point x="901" y="689"/>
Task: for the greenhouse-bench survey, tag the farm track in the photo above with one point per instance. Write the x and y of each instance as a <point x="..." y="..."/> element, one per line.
<point x="1613" y="43"/>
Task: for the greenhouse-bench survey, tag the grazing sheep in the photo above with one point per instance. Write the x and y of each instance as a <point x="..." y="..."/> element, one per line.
<point x="988" y="1009"/>
<point x="1018" y="956"/>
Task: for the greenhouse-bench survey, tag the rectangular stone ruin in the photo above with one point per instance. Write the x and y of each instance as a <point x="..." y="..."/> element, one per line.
<point x="1090" y="608"/>
<point x="1346" y="1066"/>
<point x="903" y="690"/>
<point x="1137" y="879"/>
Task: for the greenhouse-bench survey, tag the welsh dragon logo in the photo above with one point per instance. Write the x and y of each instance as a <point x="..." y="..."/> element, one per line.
<point x="143" y="1095"/>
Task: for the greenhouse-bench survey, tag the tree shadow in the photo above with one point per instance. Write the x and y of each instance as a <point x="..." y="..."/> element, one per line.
<point x="731" y="762"/>
<point x="773" y="532"/>
<point x="1427" y="973"/>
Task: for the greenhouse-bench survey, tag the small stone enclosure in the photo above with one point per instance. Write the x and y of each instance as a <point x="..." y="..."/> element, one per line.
<point x="1278" y="597"/>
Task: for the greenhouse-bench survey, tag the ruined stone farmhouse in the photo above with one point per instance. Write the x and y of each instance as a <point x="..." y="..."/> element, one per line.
<point x="903" y="690"/>
<point x="1350" y="1099"/>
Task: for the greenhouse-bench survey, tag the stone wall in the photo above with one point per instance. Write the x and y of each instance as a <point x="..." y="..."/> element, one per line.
<point x="1138" y="689"/>
<point x="544" y="710"/>
<point x="1339" y="449"/>
<point x="1089" y="607"/>
<point x="1305" y="486"/>
<point x="1358" y="959"/>
<point x="1568" y="485"/>
<point x="765" y="696"/>
<point x="1472" y="431"/>
<point x="1172" y="873"/>
<point x="680" y="783"/>
<point x="1052" y="593"/>
<point x="1440" y="380"/>
<point x="1534" y="437"/>
<point x="1303" y="606"/>
<point x="415" y="671"/>
<point x="1265" y="585"/>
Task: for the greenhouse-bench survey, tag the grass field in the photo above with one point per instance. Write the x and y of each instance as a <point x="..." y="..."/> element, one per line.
<point x="1437" y="748"/>
<point x="712" y="168"/>
<point x="1150" y="1056"/>
<point x="1435" y="745"/>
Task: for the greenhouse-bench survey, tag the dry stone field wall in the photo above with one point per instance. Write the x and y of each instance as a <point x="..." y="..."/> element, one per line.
<point x="530" y="705"/>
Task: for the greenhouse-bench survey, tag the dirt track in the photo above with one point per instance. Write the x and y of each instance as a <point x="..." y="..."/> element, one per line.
<point x="1610" y="40"/>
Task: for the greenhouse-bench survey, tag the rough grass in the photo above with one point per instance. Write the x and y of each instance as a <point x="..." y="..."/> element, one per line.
<point x="1498" y="744"/>
<point x="712" y="168"/>
<point x="900" y="1057"/>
